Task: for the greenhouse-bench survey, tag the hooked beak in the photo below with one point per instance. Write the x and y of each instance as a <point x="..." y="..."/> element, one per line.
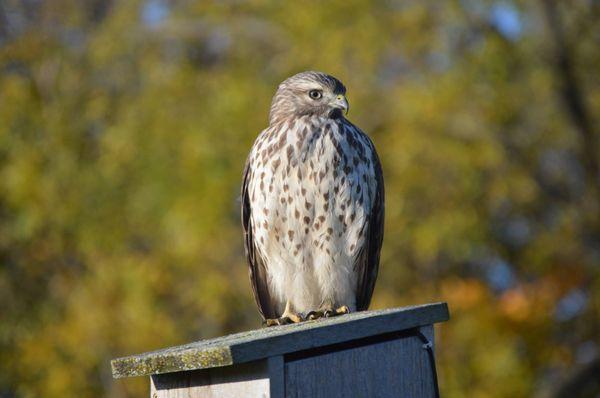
<point x="341" y="102"/>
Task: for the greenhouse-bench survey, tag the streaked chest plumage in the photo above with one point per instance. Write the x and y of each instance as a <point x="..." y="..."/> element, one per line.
<point x="311" y="191"/>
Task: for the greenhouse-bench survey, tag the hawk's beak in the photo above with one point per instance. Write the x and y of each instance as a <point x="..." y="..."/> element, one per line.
<point x="341" y="102"/>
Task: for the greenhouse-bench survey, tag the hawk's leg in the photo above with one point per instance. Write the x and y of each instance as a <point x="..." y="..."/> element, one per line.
<point x="327" y="312"/>
<point x="286" y="318"/>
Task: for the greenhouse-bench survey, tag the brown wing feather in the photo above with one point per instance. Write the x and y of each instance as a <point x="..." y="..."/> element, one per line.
<point x="256" y="266"/>
<point x="367" y="263"/>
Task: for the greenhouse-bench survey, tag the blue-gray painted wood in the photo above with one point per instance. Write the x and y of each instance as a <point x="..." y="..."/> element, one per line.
<point x="393" y="368"/>
<point x="280" y="340"/>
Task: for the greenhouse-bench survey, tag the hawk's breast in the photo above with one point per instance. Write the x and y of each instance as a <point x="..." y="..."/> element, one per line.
<point x="311" y="192"/>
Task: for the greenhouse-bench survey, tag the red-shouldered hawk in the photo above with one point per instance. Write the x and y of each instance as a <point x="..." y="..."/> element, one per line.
<point x="312" y="205"/>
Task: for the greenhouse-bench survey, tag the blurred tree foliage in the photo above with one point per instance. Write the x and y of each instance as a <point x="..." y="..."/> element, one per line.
<point x="124" y="127"/>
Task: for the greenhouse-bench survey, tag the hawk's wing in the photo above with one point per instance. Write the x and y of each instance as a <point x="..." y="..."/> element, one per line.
<point x="367" y="261"/>
<point x="258" y="273"/>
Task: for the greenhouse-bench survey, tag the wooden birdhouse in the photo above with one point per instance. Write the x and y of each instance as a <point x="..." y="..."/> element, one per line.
<point x="383" y="353"/>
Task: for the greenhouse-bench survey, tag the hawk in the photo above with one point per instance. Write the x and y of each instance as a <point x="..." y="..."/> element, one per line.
<point x="312" y="206"/>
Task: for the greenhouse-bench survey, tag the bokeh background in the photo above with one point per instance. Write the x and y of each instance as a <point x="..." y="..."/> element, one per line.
<point x="124" y="127"/>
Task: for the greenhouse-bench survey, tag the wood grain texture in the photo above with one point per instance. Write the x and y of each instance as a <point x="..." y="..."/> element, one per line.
<point x="267" y="342"/>
<point x="393" y="368"/>
<point x="244" y="380"/>
<point x="276" y="369"/>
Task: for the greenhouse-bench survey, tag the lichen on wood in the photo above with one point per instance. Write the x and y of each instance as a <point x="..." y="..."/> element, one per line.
<point x="266" y="342"/>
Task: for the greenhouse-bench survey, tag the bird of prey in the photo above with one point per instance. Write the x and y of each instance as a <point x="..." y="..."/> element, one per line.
<point x="312" y="206"/>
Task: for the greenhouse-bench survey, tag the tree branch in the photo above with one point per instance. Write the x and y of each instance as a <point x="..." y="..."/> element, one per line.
<point x="571" y="92"/>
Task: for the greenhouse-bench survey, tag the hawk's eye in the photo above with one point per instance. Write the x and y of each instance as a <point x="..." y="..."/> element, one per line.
<point x="315" y="94"/>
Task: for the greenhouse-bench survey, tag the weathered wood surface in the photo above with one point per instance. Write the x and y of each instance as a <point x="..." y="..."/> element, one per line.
<point x="267" y="342"/>
<point x="244" y="380"/>
<point x="262" y="378"/>
<point x="391" y="368"/>
<point x="391" y="365"/>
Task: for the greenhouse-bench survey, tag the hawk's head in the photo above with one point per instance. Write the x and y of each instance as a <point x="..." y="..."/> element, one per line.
<point x="309" y="93"/>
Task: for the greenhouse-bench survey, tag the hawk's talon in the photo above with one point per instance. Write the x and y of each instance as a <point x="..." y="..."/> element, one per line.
<point x="312" y="315"/>
<point x="284" y="320"/>
<point x="295" y="318"/>
<point x="337" y="311"/>
<point x="327" y="313"/>
<point x="342" y="310"/>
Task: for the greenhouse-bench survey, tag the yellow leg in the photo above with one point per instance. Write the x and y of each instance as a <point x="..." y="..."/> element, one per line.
<point x="286" y="318"/>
